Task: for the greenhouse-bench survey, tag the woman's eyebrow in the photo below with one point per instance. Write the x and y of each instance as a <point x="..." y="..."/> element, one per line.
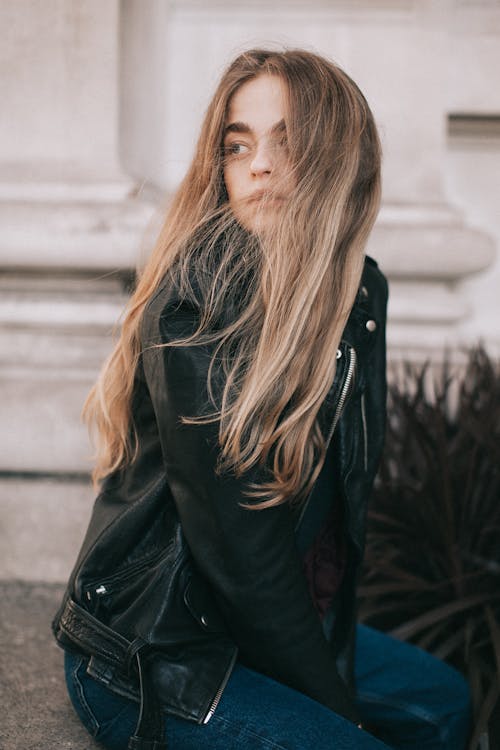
<point x="237" y="127"/>
<point x="279" y="127"/>
<point x="243" y="127"/>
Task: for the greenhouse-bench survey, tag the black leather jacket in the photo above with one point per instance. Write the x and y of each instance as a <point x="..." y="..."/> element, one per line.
<point x="174" y="567"/>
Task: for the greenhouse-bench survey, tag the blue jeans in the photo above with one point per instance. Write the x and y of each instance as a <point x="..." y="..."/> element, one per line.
<point x="412" y="700"/>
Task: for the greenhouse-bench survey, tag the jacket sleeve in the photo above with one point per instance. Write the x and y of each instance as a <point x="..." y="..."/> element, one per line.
<point x="249" y="557"/>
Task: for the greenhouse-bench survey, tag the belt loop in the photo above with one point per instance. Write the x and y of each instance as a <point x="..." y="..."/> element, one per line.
<point x="133" y="649"/>
<point x="150" y="730"/>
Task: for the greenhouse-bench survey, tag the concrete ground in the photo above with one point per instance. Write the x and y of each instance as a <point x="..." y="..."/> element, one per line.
<point x="35" y="712"/>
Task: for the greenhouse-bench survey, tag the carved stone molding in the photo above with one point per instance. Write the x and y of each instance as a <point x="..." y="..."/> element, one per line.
<point x="75" y="234"/>
<point x="351" y="6"/>
<point x="425" y="250"/>
<point x="429" y="242"/>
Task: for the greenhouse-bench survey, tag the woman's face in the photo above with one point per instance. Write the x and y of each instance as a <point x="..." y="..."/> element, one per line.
<point x="256" y="168"/>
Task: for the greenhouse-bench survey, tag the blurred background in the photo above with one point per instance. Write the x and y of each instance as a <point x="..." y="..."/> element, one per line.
<point x="101" y="104"/>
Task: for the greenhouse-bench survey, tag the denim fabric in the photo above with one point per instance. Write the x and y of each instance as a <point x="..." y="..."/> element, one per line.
<point x="415" y="701"/>
<point x="410" y="699"/>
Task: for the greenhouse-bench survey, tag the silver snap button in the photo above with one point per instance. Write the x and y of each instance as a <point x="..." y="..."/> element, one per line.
<point x="339" y="354"/>
<point x="204" y="620"/>
<point x="364" y="291"/>
<point x="370" y="325"/>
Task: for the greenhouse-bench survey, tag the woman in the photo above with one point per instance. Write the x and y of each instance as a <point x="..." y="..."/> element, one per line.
<point x="240" y="421"/>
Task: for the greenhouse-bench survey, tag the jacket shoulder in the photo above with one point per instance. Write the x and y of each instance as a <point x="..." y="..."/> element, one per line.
<point x="168" y="309"/>
<point x="373" y="279"/>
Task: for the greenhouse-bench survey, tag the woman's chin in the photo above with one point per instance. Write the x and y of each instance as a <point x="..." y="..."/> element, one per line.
<point x="259" y="220"/>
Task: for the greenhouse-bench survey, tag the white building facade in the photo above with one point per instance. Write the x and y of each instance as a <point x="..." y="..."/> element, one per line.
<point x="102" y="102"/>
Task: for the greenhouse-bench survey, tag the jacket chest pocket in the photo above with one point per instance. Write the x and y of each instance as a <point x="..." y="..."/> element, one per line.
<point x="109" y="597"/>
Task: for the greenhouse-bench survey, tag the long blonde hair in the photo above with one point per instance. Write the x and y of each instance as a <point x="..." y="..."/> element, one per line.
<point x="300" y="281"/>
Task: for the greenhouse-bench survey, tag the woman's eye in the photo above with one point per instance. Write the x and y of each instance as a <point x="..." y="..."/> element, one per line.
<point x="236" y="149"/>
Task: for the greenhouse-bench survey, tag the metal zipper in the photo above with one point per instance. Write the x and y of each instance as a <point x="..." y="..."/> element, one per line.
<point x="104" y="586"/>
<point x="338" y="411"/>
<point x="345" y="392"/>
<point x="99" y="591"/>
<point x="218" y="694"/>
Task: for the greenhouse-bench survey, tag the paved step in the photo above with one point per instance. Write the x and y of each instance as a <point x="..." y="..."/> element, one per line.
<point x="36" y="712"/>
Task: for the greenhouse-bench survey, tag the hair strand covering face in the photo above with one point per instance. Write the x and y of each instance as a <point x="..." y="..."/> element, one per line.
<point x="290" y="291"/>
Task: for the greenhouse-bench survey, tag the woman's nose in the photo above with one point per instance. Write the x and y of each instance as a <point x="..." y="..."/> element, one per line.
<point x="262" y="160"/>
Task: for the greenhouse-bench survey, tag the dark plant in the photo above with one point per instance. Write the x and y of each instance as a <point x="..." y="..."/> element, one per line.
<point x="432" y="563"/>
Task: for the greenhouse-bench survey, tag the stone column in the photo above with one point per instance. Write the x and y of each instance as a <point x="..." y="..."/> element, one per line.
<point x="69" y="217"/>
<point x="70" y="229"/>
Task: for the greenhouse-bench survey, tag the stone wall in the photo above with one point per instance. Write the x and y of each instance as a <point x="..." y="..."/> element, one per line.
<point x="103" y="103"/>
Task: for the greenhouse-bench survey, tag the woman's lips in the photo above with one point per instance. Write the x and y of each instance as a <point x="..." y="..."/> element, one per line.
<point x="265" y="197"/>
